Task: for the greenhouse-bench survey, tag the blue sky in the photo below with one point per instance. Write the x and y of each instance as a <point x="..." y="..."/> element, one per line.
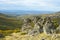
<point x="41" y="5"/>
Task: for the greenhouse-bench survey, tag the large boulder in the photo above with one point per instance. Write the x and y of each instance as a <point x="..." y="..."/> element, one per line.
<point x="36" y="30"/>
<point x="58" y="29"/>
<point x="36" y="19"/>
<point x="26" y="26"/>
<point x="48" y="26"/>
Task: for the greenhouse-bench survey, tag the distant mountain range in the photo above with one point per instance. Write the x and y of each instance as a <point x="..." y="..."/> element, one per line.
<point x="22" y="12"/>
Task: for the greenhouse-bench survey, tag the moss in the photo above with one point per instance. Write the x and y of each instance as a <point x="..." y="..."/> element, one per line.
<point x="56" y="21"/>
<point x="56" y="24"/>
<point x="16" y="30"/>
<point x="23" y="33"/>
<point x="32" y="24"/>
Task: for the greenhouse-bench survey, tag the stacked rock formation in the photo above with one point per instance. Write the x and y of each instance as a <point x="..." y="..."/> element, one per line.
<point x="40" y="25"/>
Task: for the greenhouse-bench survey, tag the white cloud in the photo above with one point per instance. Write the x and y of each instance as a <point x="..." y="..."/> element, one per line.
<point x="27" y="2"/>
<point x="31" y="4"/>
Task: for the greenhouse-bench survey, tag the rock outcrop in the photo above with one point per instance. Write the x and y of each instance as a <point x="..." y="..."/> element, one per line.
<point x="48" y="27"/>
<point x="26" y="27"/>
<point x="40" y="25"/>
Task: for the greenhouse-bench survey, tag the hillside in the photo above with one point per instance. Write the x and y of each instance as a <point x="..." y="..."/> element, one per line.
<point x="9" y="21"/>
<point x="31" y="27"/>
<point x="9" y="24"/>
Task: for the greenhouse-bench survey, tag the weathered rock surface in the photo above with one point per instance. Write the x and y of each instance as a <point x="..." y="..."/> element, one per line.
<point x="40" y="25"/>
<point x="58" y="29"/>
<point x="49" y="26"/>
<point x="26" y="26"/>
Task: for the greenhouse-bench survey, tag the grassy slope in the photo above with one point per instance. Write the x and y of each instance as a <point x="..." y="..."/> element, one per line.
<point x="9" y="24"/>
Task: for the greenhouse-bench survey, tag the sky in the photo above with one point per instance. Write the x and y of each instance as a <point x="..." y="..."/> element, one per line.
<point x="40" y="5"/>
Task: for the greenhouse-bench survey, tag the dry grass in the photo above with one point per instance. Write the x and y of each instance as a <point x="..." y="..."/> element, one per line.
<point x="18" y="36"/>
